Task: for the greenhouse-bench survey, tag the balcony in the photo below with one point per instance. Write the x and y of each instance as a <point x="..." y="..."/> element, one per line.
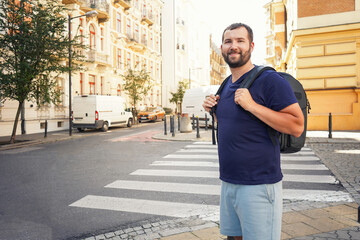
<point x="69" y="1"/>
<point x="101" y="7"/>
<point x="126" y="4"/>
<point x="97" y="57"/>
<point x="147" y="17"/>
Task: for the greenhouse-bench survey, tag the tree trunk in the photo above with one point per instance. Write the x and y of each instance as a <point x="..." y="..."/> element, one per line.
<point x="12" y="139"/>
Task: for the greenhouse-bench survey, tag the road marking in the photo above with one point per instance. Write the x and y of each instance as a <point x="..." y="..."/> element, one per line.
<point x="171" y="209"/>
<point x="202" y="146"/>
<point x="304" y="167"/>
<point x="310" y="178"/>
<point x="145" y="136"/>
<point x="176" y="173"/>
<point x="216" y="165"/>
<point x="185" y="164"/>
<point x="166" y="187"/>
<point x="302" y="158"/>
<point x="196" y="156"/>
<point x="317" y="195"/>
<point x="198" y="151"/>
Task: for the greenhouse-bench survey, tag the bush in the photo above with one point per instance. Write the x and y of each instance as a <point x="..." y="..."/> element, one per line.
<point x="168" y="110"/>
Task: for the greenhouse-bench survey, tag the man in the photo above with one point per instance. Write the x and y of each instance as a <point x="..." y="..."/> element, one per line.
<point x="251" y="190"/>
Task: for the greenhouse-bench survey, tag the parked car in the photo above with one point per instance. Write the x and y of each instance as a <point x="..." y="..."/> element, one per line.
<point x="151" y="114"/>
<point x="100" y="112"/>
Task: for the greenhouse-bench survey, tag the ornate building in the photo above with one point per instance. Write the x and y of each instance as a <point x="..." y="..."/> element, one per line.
<point x="125" y="33"/>
<point x="318" y="42"/>
<point x="217" y="65"/>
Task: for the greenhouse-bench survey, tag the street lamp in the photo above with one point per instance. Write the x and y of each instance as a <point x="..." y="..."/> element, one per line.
<point x="191" y="69"/>
<point x="88" y="14"/>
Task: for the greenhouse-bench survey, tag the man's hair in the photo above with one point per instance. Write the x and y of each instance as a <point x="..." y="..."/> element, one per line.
<point x="239" y="25"/>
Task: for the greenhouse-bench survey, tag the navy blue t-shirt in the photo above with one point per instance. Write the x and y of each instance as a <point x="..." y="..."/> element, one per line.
<point x="246" y="153"/>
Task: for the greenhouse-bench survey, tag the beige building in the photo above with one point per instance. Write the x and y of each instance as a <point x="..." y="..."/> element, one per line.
<point x="125" y="33"/>
<point x="318" y="42"/>
<point x="218" y="65"/>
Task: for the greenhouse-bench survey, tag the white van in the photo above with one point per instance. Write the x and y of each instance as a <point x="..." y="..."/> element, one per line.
<point x="100" y="112"/>
<point x="194" y="98"/>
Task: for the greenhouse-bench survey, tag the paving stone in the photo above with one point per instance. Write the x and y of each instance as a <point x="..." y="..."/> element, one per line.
<point x="293" y="217"/>
<point x="299" y="229"/>
<point x="110" y="235"/>
<point x="325" y="224"/>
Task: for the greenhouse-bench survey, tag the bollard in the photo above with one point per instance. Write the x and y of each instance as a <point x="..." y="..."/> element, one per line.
<point x="46" y="126"/>
<point x="179" y="122"/>
<point x="165" y="132"/>
<point x="193" y="121"/>
<point x="359" y="214"/>
<point x="170" y="124"/>
<point x="206" y="122"/>
<point x="173" y="126"/>
<point x="330" y="125"/>
<point x="197" y="128"/>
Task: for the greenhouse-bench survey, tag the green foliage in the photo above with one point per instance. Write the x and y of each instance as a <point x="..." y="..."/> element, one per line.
<point x="34" y="45"/>
<point x="33" y="49"/>
<point x="177" y="97"/>
<point x="137" y="85"/>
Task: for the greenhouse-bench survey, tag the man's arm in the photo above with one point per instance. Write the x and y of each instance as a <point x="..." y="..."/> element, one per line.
<point x="289" y="120"/>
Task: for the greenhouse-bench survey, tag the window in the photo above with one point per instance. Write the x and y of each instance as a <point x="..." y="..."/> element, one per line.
<point x="92" y="84"/>
<point x="118" y="90"/>
<point x="102" y="39"/>
<point x="102" y="85"/>
<point x="119" y="60"/>
<point x="128" y="60"/>
<point x="128" y="28"/>
<point x="151" y="41"/>
<point x="137" y="62"/>
<point x="157" y="72"/>
<point x="60" y="89"/>
<point x="92" y="37"/>
<point x="136" y="33"/>
<point x="82" y="83"/>
<point x="152" y="73"/>
<point x="118" y="22"/>
<point x="144" y="36"/>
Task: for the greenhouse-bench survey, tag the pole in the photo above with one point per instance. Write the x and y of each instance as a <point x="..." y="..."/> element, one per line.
<point x="206" y="122"/>
<point x="330" y="125"/>
<point x="197" y="128"/>
<point x="46" y="127"/>
<point x="70" y="119"/>
<point x="165" y="132"/>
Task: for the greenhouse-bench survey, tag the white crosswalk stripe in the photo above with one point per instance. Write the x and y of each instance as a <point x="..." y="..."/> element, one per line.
<point x="200" y="160"/>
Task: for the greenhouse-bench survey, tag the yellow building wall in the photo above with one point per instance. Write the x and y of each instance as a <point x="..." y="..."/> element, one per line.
<point x="326" y="61"/>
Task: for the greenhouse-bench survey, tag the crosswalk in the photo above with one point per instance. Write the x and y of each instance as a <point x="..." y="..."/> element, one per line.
<point x="305" y="178"/>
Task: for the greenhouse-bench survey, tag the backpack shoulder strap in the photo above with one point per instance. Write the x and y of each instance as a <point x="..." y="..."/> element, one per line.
<point x="222" y="85"/>
<point x="253" y="75"/>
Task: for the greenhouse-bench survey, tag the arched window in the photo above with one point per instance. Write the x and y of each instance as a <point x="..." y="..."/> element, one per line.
<point x="92" y="37"/>
<point x="118" y="90"/>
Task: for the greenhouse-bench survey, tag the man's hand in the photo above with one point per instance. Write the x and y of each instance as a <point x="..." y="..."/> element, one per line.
<point x="244" y="99"/>
<point x="210" y="101"/>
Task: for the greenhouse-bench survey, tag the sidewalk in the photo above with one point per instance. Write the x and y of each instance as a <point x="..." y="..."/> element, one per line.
<point x="309" y="221"/>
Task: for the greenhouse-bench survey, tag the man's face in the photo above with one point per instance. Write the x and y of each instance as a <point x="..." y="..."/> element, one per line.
<point x="236" y="48"/>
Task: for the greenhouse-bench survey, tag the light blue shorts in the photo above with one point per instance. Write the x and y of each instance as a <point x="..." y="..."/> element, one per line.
<point x="251" y="211"/>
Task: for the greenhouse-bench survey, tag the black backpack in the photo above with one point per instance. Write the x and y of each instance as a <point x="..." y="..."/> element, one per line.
<point x="288" y="143"/>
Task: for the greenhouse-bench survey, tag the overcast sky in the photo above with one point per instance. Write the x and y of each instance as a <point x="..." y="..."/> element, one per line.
<point x="221" y="13"/>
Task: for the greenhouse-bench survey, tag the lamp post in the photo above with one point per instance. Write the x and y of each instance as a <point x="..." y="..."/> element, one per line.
<point x="88" y="14"/>
<point x="191" y="69"/>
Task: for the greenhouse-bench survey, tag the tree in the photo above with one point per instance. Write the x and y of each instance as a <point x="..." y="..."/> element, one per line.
<point x="177" y="97"/>
<point x="33" y="49"/>
<point x="137" y="84"/>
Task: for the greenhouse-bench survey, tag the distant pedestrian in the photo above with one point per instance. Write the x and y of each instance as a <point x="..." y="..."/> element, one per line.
<point x="251" y="190"/>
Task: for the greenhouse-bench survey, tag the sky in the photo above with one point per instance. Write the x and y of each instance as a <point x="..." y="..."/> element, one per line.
<point x="221" y="13"/>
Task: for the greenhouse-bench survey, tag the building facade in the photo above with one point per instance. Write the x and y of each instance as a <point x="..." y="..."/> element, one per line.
<point x="124" y="34"/>
<point x="318" y="42"/>
<point x="218" y="65"/>
<point x="185" y="48"/>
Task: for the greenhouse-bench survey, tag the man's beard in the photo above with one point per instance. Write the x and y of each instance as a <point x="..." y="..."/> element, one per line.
<point x="244" y="58"/>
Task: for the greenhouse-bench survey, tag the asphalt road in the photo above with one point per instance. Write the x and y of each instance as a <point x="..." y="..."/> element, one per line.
<point x="38" y="183"/>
